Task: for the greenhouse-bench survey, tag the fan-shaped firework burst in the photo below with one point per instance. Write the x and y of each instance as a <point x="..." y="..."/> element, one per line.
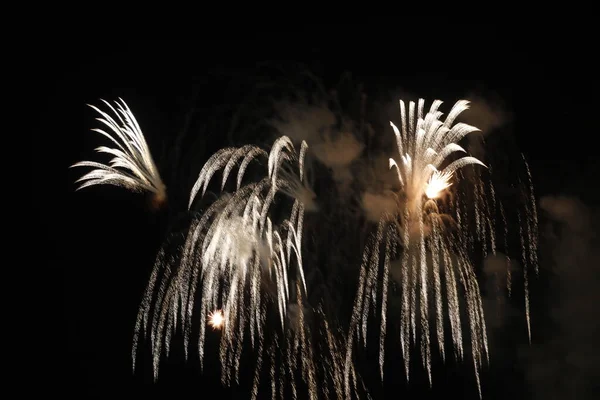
<point x="132" y="166"/>
<point x="434" y="262"/>
<point x="241" y="260"/>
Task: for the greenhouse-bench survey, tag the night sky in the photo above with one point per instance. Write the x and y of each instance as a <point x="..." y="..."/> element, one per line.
<point x="104" y="239"/>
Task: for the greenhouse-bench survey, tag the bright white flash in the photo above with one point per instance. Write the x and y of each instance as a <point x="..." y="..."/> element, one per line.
<point x="438" y="182"/>
<point x="216" y="319"/>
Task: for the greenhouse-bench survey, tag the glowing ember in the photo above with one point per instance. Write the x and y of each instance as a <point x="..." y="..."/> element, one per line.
<point x="216" y="319"/>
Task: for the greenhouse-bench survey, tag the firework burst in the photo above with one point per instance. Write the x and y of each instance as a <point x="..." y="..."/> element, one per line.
<point x="432" y="259"/>
<point x="244" y="264"/>
<point x="132" y="166"/>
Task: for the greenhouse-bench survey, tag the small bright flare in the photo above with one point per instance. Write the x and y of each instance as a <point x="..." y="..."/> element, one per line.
<point x="216" y="319"/>
<point x="438" y="182"/>
<point x="132" y="166"/>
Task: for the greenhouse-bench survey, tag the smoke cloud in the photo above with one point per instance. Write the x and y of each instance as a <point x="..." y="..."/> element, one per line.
<point x="488" y="114"/>
<point x="567" y="364"/>
<point x="376" y="205"/>
<point x="332" y="143"/>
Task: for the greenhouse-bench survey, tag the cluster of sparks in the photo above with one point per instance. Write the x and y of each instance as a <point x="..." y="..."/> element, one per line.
<point x="132" y="166"/>
<point x="246" y="263"/>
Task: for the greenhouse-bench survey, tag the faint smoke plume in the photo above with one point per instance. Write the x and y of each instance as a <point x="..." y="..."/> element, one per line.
<point x="566" y="365"/>
<point x="332" y="143"/>
<point x="486" y="113"/>
<point x="338" y="151"/>
<point x="301" y="121"/>
<point x="375" y="205"/>
<point x="495" y="301"/>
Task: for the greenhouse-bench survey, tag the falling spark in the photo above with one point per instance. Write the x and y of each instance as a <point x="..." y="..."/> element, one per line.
<point x="132" y="166"/>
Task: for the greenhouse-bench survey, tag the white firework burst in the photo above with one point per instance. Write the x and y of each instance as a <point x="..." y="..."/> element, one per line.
<point x="432" y="263"/>
<point x="241" y="261"/>
<point x="132" y="166"/>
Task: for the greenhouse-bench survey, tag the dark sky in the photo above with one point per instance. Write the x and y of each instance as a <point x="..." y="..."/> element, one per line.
<point x="104" y="240"/>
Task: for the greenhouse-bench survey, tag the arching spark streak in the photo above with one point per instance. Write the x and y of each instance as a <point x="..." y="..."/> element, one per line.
<point x="132" y="166"/>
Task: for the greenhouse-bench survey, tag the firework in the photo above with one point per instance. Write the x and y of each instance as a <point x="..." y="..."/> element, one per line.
<point x="132" y="166"/>
<point x="434" y="266"/>
<point x="242" y="263"/>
